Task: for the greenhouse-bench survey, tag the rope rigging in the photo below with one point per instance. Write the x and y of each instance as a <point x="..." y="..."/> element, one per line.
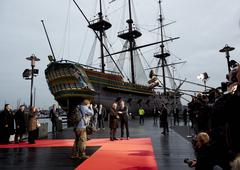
<point x="66" y="34"/>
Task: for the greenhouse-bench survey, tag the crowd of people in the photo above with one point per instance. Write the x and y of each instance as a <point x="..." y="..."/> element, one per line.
<point x="17" y="124"/>
<point x="214" y="117"/>
<point x="216" y="114"/>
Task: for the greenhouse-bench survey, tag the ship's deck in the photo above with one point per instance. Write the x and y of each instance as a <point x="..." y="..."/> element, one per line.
<point x="169" y="151"/>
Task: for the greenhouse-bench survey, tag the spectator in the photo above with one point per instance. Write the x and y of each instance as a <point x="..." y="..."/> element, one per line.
<point x="155" y="115"/>
<point x="20" y="124"/>
<point x="164" y="119"/>
<point x="6" y="124"/>
<point x="123" y="114"/>
<point x="185" y="117"/>
<point x="32" y="125"/>
<point x="113" y="121"/>
<point x="204" y="159"/>
<point x="79" y="146"/>
<point x="101" y="117"/>
<point x="141" y="113"/>
<point x="95" y="116"/>
<point x="176" y="117"/>
<point x="54" y="118"/>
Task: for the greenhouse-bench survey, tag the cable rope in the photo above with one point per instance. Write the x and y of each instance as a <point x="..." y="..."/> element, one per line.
<point x="105" y="11"/>
<point x="144" y="58"/>
<point x="140" y="73"/>
<point x="90" y="58"/>
<point x="64" y="37"/>
<point x="69" y="38"/>
<point x="83" y="44"/>
<point x="95" y="9"/>
<point x="119" y="8"/>
<point x="134" y="13"/>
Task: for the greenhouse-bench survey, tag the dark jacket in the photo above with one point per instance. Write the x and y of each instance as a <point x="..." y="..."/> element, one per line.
<point x="20" y="121"/>
<point x="233" y="122"/>
<point x="164" y="115"/>
<point x="204" y="157"/>
<point x="7" y="118"/>
<point x="53" y="115"/>
<point x="103" y="114"/>
<point x="113" y="122"/>
<point x="124" y="115"/>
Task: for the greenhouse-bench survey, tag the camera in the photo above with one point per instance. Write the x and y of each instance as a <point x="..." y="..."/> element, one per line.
<point x="188" y="162"/>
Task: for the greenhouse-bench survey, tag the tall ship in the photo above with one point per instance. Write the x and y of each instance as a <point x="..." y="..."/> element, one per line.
<point x="70" y="82"/>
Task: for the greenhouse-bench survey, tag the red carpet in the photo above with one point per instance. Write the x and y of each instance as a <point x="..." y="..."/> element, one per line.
<point x="133" y="154"/>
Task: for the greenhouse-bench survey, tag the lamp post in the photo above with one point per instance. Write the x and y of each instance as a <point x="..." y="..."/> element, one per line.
<point x="31" y="73"/>
<point x="226" y="50"/>
<point x="204" y="77"/>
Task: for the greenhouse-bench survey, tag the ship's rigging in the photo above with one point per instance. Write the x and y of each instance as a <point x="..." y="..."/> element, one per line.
<point x="100" y="25"/>
<point x="137" y="72"/>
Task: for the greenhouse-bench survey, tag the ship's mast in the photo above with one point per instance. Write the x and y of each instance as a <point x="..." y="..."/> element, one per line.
<point x="101" y="26"/>
<point x="130" y="35"/>
<point x="162" y="55"/>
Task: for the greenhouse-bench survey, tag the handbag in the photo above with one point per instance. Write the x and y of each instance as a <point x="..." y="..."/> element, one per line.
<point x="38" y="124"/>
<point x="90" y="129"/>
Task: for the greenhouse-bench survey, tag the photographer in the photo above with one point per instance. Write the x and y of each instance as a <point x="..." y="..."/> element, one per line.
<point x="225" y="122"/>
<point x="79" y="146"/>
<point x="204" y="158"/>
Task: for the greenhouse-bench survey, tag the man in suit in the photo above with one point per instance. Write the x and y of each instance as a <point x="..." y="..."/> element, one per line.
<point x="101" y="116"/>
<point x="123" y="114"/>
<point x="54" y="118"/>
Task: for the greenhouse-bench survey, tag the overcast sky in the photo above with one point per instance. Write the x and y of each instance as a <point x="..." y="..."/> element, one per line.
<point x="203" y="26"/>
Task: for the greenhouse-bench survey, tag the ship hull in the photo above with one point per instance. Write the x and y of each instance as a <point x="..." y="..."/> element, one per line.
<point x="71" y="83"/>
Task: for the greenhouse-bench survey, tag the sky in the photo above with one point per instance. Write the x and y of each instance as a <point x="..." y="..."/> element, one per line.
<point x="204" y="27"/>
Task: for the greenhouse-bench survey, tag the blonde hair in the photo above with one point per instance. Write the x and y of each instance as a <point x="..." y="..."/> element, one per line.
<point x="203" y="138"/>
<point x="236" y="163"/>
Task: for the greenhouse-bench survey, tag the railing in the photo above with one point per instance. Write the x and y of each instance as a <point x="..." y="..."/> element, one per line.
<point x="127" y="30"/>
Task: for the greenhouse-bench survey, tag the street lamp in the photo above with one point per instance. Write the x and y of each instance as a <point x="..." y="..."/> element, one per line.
<point x="204" y="77"/>
<point x="226" y="50"/>
<point x="29" y="74"/>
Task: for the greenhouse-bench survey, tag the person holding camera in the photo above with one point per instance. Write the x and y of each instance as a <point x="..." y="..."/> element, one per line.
<point x="204" y="159"/>
<point x="79" y="146"/>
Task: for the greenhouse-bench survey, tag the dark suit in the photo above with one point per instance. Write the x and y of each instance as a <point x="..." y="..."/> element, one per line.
<point x="20" y="124"/>
<point x="6" y="118"/>
<point x="164" y="120"/>
<point x="54" y="119"/>
<point x="101" y="116"/>
<point x="124" y="120"/>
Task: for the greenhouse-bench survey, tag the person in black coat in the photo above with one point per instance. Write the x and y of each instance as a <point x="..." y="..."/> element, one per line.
<point x="54" y="118"/>
<point x="164" y="119"/>
<point x="20" y="124"/>
<point x="101" y="116"/>
<point x="113" y="121"/>
<point x="6" y="124"/>
<point x="185" y="116"/>
<point x="123" y="115"/>
<point x="204" y="158"/>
